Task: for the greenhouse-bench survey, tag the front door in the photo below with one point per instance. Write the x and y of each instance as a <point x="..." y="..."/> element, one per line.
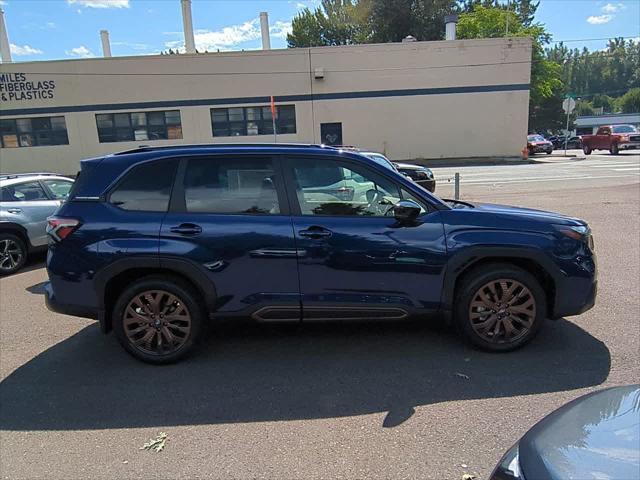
<point x="229" y="215"/>
<point x="331" y="133"/>
<point x="355" y="260"/>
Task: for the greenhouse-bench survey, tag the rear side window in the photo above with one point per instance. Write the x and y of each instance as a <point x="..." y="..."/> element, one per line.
<point x="231" y="185"/>
<point x="23" y="192"/>
<point x="59" y="188"/>
<point x="146" y="187"/>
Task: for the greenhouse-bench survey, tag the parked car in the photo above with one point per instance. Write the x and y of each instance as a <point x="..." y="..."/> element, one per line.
<point x="557" y="141"/>
<point x="154" y="242"/>
<point x="613" y="138"/>
<point x="420" y="174"/>
<point x="593" y="437"/>
<point x="538" y="144"/>
<point x="26" y="200"/>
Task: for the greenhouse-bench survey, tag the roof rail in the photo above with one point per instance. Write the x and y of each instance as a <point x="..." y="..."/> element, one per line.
<point x="150" y="148"/>
<point x="6" y="176"/>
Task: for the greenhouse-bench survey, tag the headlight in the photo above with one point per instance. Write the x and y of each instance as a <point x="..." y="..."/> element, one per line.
<point x="579" y="232"/>
<point x="509" y="466"/>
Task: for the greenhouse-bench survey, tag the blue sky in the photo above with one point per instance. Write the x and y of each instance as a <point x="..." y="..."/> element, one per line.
<point x="56" y="29"/>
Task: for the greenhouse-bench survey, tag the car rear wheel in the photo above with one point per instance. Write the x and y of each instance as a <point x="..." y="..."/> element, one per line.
<point x="615" y="149"/>
<point x="586" y="149"/>
<point x="13" y="253"/>
<point x="499" y="307"/>
<point x="158" y="319"/>
<point x="549" y="152"/>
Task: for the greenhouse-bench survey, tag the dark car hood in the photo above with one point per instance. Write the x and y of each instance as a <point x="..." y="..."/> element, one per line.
<point x="596" y="436"/>
<point x="552" y="217"/>
<point x="410" y="166"/>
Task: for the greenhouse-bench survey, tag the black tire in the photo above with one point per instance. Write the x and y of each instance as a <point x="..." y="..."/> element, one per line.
<point x="586" y="149"/>
<point x="549" y="152"/>
<point x="188" y="300"/>
<point x="615" y="149"/>
<point x="468" y="288"/>
<point x="13" y="253"/>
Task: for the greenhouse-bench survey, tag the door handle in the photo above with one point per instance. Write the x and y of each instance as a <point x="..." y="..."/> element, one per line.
<point x="315" y="232"/>
<point x="14" y="210"/>
<point x="187" y="229"/>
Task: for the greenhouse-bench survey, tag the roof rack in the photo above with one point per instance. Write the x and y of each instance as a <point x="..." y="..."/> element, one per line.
<point x="150" y="148"/>
<point x="7" y="176"/>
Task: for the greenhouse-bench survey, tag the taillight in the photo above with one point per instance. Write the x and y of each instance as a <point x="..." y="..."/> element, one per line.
<point x="60" y="228"/>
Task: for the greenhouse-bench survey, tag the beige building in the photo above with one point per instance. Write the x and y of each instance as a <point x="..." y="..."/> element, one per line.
<point x="416" y="100"/>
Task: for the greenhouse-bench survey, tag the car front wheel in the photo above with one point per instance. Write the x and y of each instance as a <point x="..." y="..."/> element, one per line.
<point x="586" y="149"/>
<point x="615" y="149"/>
<point x="157" y="319"/>
<point x="13" y="253"/>
<point x="499" y="307"/>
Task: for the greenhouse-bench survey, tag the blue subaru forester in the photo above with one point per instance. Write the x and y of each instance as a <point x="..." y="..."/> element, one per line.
<point x="155" y="242"/>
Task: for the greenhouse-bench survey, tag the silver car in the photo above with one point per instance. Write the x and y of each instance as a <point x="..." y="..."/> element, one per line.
<point x="26" y="200"/>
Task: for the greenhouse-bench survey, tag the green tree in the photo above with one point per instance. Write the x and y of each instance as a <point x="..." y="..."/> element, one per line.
<point x="584" y="107"/>
<point x="334" y="22"/>
<point x="393" y="20"/>
<point x="630" y="101"/>
<point x="546" y="83"/>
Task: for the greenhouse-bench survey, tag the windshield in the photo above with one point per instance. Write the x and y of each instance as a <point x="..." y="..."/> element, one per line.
<point x="535" y="138"/>
<point x="624" y="129"/>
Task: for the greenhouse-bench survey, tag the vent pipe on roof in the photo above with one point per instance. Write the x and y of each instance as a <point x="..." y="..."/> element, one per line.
<point x="5" y="48"/>
<point x="106" y="46"/>
<point x="264" y="28"/>
<point x="450" y="22"/>
<point x="187" y="24"/>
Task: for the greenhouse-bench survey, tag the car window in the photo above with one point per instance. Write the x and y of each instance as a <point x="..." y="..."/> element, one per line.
<point x="231" y="185"/>
<point x="59" y="188"/>
<point x="624" y="129"/>
<point x="329" y="187"/>
<point x="604" y="131"/>
<point x="146" y="187"/>
<point x="23" y="192"/>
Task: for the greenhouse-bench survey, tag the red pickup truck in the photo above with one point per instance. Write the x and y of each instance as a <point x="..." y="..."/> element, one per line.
<point x="613" y="138"/>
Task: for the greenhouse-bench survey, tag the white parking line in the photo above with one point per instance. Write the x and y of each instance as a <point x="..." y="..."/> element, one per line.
<point x="614" y="165"/>
<point x="636" y="169"/>
<point x="548" y="179"/>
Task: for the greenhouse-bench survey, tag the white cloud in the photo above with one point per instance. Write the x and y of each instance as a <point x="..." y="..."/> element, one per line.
<point x="24" y="50"/>
<point x="229" y="37"/>
<point x="50" y="25"/>
<point x="280" y="29"/>
<point x="100" y="3"/>
<point x="599" y="19"/>
<point x="613" y="7"/>
<point x="81" y="52"/>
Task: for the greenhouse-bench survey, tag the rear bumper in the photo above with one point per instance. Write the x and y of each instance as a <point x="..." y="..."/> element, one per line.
<point x="54" y="305"/>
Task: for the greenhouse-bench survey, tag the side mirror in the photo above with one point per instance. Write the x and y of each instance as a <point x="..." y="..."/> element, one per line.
<point x="406" y="210"/>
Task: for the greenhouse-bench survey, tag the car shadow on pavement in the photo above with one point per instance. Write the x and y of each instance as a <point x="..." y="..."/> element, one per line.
<point x="250" y="373"/>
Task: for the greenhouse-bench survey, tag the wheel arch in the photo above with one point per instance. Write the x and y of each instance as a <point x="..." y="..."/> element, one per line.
<point x="530" y="260"/>
<point x="17" y="230"/>
<point x="113" y="280"/>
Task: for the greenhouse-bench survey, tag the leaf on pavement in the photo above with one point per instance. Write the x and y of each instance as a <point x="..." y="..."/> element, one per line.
<point x="155" y="444"/>
<point x="468" y="476"/>
<point x="462" y="375"/>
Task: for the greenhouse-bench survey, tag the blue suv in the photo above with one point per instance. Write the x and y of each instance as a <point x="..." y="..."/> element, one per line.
<point x="155" y="242"/>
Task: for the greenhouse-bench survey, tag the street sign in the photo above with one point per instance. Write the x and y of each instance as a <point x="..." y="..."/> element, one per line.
<point x="568" y="105"/>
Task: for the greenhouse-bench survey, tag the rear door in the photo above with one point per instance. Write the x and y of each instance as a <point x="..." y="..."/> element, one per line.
<point x="355" y="260"/>
<point x="229" y="216"/>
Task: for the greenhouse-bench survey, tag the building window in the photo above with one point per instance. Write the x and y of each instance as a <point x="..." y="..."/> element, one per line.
<point x="136" y="126"/>
<point x="244" y="121"/>
<point x="33" y="132"/>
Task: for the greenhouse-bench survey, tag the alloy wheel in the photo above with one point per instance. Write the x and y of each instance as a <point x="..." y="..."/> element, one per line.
<point x="502" y="311"/>
<point x="10" y="254"/>
<point x="157" y="322"/>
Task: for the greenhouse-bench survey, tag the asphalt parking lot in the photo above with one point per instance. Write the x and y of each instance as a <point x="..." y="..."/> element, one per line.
<point x="323" y="401"/>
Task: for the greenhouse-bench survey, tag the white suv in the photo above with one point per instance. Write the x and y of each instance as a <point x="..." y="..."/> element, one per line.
<point x="26" y="200"/>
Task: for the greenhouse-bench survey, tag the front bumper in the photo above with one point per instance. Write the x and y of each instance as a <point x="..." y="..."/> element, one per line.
<point x="629" y="145"/>
<point x="541" y="148"/>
